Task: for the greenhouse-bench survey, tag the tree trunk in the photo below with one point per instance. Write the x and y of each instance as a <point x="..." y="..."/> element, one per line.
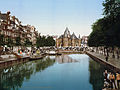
<point x="104" y="51"/>
<point x="96" y="49"/>
<point x="107" y="52"/>
<point x="12" y="48"/>
<point x="113" y="56"/>
<point x="118" y="53"/>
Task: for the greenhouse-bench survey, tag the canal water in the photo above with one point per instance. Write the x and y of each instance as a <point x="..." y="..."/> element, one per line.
<point x="66" y="72"/>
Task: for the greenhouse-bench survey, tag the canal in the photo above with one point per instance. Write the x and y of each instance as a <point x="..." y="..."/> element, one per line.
<point x="66" y="72"/>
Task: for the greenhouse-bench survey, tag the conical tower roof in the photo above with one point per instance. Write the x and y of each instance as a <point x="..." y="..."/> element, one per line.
<point x="73" y="36"/>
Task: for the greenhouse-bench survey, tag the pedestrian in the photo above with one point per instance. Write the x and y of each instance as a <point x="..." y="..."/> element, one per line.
<point x="106" y="58"/>
<point x="105" y="74"/>
<point x="117" y="52"/>
<point x="118" y="80"/>
<point x="20" y="52"/>
<point x="110" y="77"/>
<point x="113" y="80"/>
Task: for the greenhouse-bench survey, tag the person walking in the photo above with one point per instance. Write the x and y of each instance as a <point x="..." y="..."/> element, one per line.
<point x="113" y="80"/>
<point x="118" y="80"/>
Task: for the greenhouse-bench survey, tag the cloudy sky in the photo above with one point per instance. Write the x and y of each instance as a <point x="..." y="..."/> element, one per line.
<point x="53" y="16"/>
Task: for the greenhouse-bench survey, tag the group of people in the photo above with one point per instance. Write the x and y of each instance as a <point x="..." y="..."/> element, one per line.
<point x="28" y="52"/>
<point x="110" y="80"/>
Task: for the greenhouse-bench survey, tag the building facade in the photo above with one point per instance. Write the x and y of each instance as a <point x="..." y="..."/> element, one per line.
<point x="11" y="28"/>
<point x="68" y="40"/>
<point x="84" y="41"/>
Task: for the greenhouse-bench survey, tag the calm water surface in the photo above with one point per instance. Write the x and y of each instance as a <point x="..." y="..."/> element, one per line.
<point x="66" y="72"/>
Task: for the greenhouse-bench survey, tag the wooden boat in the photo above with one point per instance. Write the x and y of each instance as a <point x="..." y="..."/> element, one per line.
<point x="35" y="57"/>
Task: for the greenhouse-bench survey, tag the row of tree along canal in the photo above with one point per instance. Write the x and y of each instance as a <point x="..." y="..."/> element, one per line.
<point x="106" y="30"/>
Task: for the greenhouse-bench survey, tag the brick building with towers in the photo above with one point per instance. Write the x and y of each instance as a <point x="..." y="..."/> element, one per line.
<point x="68" y="40"/>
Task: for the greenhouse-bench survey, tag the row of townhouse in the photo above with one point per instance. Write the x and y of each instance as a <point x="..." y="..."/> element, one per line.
<point x="11" y="27"/>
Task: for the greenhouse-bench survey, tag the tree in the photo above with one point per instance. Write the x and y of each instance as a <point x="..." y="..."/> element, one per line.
<point x="10" y="43"/>
<point x="43" y="41"/>
<point x="18" y="41"/>
<point x="106" y="31"/>
<point x="97" y="37"/>
<point x="107" y="27"/>
<point x="40" y="41"/>
<point x="112" y="11"/>
<point x="27" y="42"/>
<point x="50" y="41"/>
<point x="2" y="42"/>
<point x="111" y="8"/>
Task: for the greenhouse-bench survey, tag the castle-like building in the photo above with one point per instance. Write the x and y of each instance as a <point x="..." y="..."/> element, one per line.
<point x="68" y="40"/>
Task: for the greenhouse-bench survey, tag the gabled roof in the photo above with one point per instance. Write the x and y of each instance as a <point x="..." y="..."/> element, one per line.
<point x="67" y="35"/>
<point x="67" y="32"/>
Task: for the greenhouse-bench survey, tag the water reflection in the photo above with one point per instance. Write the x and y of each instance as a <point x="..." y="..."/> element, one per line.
<point x="66" y="72"/>
<point x="64" y="59"/>
<point x="96" y="75"/>
<point x="13" y="77"/>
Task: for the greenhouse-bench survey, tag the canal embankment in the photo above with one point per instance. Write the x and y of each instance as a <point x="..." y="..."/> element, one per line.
<point x="7" y="60"/>
<point x="12" y="61"/>
<point x="112" y="63"/>
<point x="70" y="52"/>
